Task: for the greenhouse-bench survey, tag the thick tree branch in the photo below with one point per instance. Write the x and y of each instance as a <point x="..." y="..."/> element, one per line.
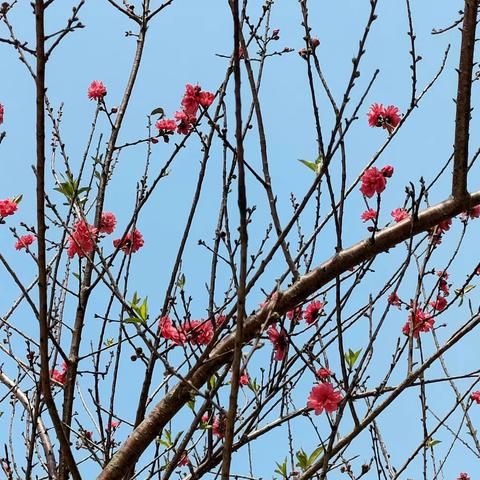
<point x="462" y="117"/>
<point x="177" y="397"/>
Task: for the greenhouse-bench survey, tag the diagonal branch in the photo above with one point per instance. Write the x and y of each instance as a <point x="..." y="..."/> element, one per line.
<point x="177" y="397"/>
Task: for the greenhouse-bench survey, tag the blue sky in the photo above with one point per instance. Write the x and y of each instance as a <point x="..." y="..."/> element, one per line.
<point x="181" y="48"/>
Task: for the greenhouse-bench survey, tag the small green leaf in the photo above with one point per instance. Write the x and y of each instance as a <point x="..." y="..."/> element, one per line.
<point x="432" y="442"/>
<point x="351" y="357"/>
<point x="463" y="291"/>
<point x="18" y="198"/>
<point x="76" y="275"/>
<point x="302" y="459"/>
<point x="133" y="320"/>
<point x="314" y="166"/>
<point x="315" y="454"/>
<point x="282" y="469"/>
<point x="108" y="342"/>
<point x="181" y="282"/>
<point x="211" y="382"/>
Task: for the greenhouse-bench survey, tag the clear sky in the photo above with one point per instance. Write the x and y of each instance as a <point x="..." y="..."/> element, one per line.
<point x="181" y="48"/>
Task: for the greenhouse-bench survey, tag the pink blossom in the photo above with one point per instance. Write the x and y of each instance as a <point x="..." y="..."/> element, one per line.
<point x="168" y="126"/>
<point x="244" y="379"/>
<point x="279" y="340"/>
<point x="399" y="214"/>
<point x="471" y="213"/>
<point x="384" y="117"/>
<point x="387" y="171"/>
<point x="422" y="322"/>
<point x="463" y="476"/>
<point x="296" y="314"/>
<point x="190" y="99"/>
<point x="324" y="397"/>
<point x="324" y="373"/>
<point x="375" y="115"/>
<point x="475" y="396"/>
<point x="2" y="111"/>
<point x="369" y="214"/>
<point x="391" y="117"/>
<point x="442" y="282"/>
<point x="314" y="42"/>
<point x="372" y="182"/>
<point x="107" y="223"/>
<point x="313" y="311"/>
<point x="198" y="332"/>
<point x="131" y="243"/>
<point x="169" y="332"/>
<point x="24" y="241"/>
<point x="58" y="376"/>
<point x="439" y="304"/>
<point x="205" y="99"/>
<point x="82" y="240"/>
<point x="96" y="90"/>
<point x="442" y="227"/>
<point x="113" y="425"/>
<point x="7" y="207"/>
<point x="185" y="122"/>
<point x="394" y="300"/>
<point x="219" y="426"/>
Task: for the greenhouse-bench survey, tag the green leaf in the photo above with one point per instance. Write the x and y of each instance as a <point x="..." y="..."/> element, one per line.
<point x="76" y="275"/>
<point x="314" y="166"/>
<point x="108" y="342"/>
<point x="191" y="404"/>
<point x="282" y="469"/>
<point x="181" y="282"/>
<point x="133" y="320"/>
<point x="351" y="357"/>
<point x="432" y="442"/>
<point x="302" y="459"/>
<point x="253" y="385"/>
<point x="463" y="291"/>
<point x="18" y="198"/>
<point x="158" y="111"/>
<point x="211" y="382"/>
<point x="315" y="454"/>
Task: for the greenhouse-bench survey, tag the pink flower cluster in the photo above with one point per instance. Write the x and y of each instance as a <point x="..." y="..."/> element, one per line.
<point x="279" y="339"/>
<point x="312" y="312"/>
<point x="324" y="397"/>
<point x="384" y="117"/>
<point x="131" y="243"/>
<point x="375" y="181"/>
<point x="7" y="207"/>
<point x="435" y="234"/>
<point x="185" y="119"/>
<point x="24" y="241"/>
<point x="219" y="424"/>
<point x="96" y="90"/>
<point x="60" y="376"/>
<point x="194" y="332"/>
<point x="475" y="396"/>
<point x="471" y="213"/>
<point x="84" y="237"/>
<point x="421" y="322"/>
<point x="399" y="214"/>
